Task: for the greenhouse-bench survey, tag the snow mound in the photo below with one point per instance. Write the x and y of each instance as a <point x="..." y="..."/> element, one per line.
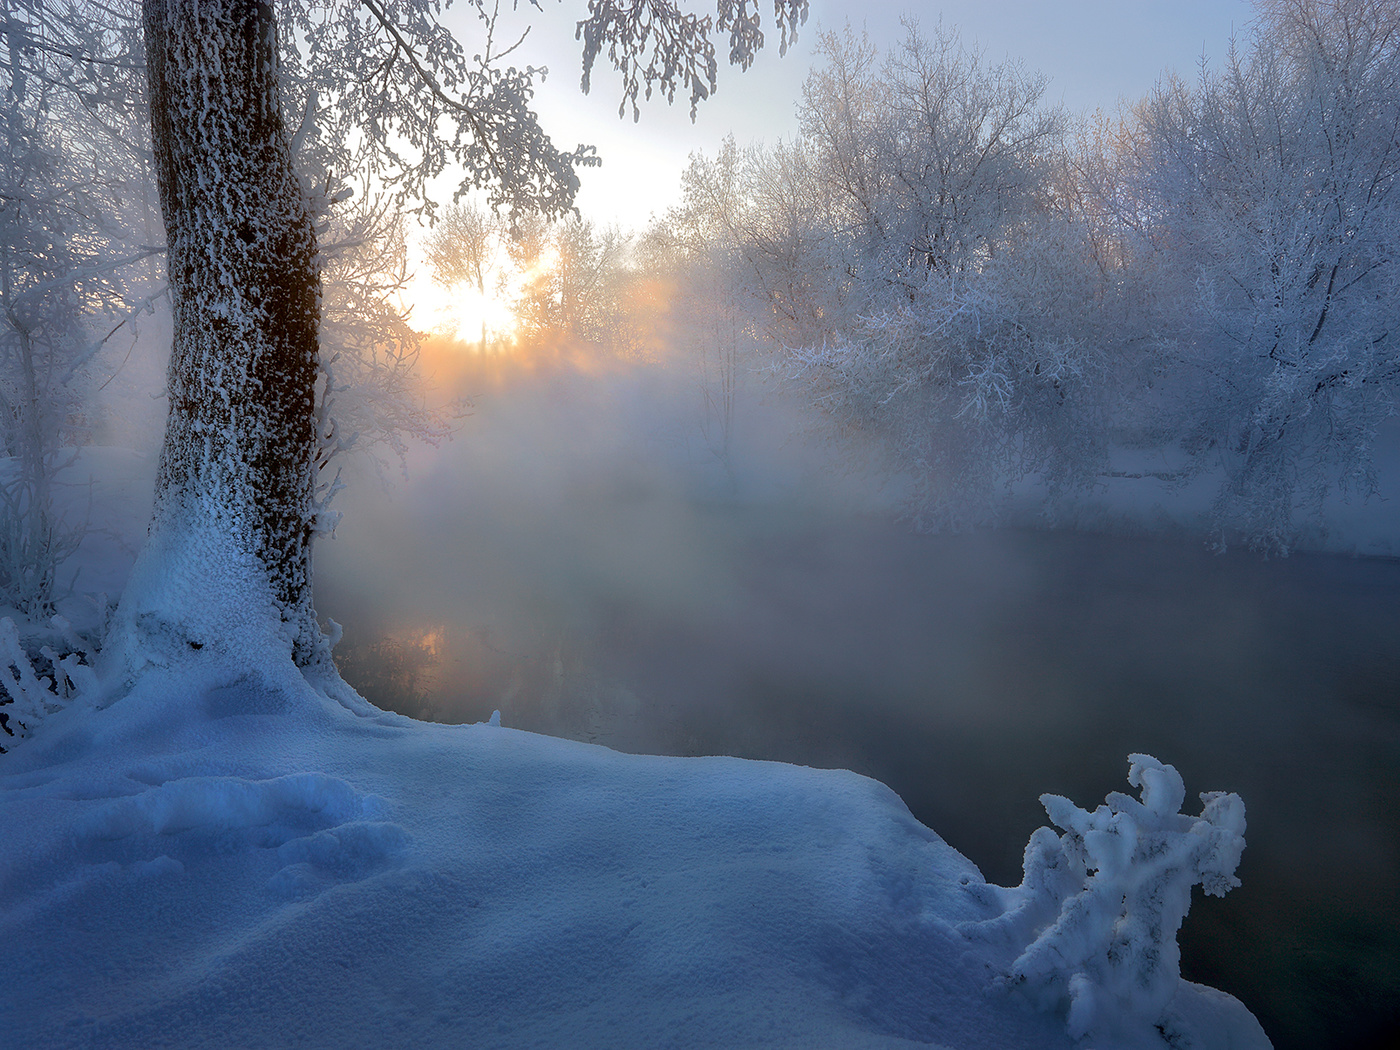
<point x="314" y="822"/>
<point x="210" y="857"/>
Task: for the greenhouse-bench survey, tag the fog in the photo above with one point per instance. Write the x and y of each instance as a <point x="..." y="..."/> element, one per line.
<point x="574" y="500"/>
<point x="595" y="556"/>
<point x="672" y="557"/>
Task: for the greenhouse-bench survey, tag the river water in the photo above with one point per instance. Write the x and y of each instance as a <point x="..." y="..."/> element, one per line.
<point x="972" y="673"/>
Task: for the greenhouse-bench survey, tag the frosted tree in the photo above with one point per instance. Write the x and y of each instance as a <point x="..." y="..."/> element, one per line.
<point x="74" y="271"/>
<point x="1269" y="187"/>
<point x="973" y="348"/>
<point x="915" y="265"/>
<point x="235" y="492"/>
<point x="40" y="338"/>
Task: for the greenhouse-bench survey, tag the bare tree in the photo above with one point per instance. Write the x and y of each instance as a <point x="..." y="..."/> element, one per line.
<point x="462" y="248"/>
<point x="370" y="399"/>
<point x="573" y="281"/>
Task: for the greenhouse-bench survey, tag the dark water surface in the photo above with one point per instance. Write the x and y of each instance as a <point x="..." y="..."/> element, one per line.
<point x="971" y="674"/>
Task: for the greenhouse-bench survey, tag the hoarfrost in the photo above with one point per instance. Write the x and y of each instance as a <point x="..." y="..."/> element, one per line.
<point x="1100" y="904"/>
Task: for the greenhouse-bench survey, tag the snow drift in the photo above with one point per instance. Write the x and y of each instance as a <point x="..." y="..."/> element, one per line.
<point x="209" y="855"/>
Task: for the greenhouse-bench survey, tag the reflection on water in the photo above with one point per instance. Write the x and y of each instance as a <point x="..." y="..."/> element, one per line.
<point x="973" y="673"/>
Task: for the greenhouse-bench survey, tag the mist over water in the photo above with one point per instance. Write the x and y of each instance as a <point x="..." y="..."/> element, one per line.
<point x="603" y="554"/>
<point x="573" y="501"/>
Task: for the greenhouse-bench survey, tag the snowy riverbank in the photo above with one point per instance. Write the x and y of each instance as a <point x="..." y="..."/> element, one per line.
<point x="231" y="858"/>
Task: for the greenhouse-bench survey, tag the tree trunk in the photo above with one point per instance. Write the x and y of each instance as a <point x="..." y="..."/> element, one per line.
<point x="234" y="492"/>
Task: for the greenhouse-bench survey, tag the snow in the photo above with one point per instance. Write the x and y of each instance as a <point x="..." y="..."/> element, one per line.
<point x="1118" y="883"/>
<point x="215" y="851"/>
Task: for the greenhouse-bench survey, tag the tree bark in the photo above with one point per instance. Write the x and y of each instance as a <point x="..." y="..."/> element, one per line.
<point x="239" y="452"/>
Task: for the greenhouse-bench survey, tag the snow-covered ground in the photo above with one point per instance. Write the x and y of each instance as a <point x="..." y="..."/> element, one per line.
<point x="222" y="855"/>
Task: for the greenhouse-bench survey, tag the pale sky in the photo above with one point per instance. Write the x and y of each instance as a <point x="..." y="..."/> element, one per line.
<point x="1094" y="52"/>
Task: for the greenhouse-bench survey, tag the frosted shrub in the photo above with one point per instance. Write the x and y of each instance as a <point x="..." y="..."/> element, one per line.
<point x="27" y="696"/>
<point x="1116" y="886"/>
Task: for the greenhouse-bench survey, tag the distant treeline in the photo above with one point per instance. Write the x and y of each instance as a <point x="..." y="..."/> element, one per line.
<point x="999" y="289"/>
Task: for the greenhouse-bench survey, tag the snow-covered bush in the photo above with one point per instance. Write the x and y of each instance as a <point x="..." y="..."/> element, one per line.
<point x="40" y="672"/>
<point x="1101" y="903"/>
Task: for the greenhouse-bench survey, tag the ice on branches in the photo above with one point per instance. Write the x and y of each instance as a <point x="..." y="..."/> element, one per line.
<point x="33" y="698"/>
<point x="1114" y="888"/>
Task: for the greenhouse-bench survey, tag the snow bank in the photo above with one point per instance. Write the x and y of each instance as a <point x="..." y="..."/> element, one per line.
<point x="1158" y="491"/>
<point x="214" y="856"/>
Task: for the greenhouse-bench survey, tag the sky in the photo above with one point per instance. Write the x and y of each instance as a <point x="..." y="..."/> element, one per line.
<point x="1095" y="53"/>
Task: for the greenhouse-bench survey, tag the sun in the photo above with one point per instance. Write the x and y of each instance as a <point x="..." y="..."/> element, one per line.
<point x="460" y="311"/>
<point x="482" y="318"/>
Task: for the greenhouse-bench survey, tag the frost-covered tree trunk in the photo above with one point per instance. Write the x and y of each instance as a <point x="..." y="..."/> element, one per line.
<point x="237" y="467"/>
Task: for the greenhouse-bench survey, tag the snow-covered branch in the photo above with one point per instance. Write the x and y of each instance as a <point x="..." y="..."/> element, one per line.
<point x="1095" y="919"/>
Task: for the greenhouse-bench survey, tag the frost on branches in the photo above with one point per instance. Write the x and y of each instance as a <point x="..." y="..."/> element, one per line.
<point x="1101" y="903"/>
<point x="39" y="673"/>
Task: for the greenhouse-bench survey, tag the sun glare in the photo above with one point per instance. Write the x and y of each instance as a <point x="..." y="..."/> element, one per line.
<point x="483" y="320"/>
<point x="477" y="318"/>
<point x="461" y="312"/>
